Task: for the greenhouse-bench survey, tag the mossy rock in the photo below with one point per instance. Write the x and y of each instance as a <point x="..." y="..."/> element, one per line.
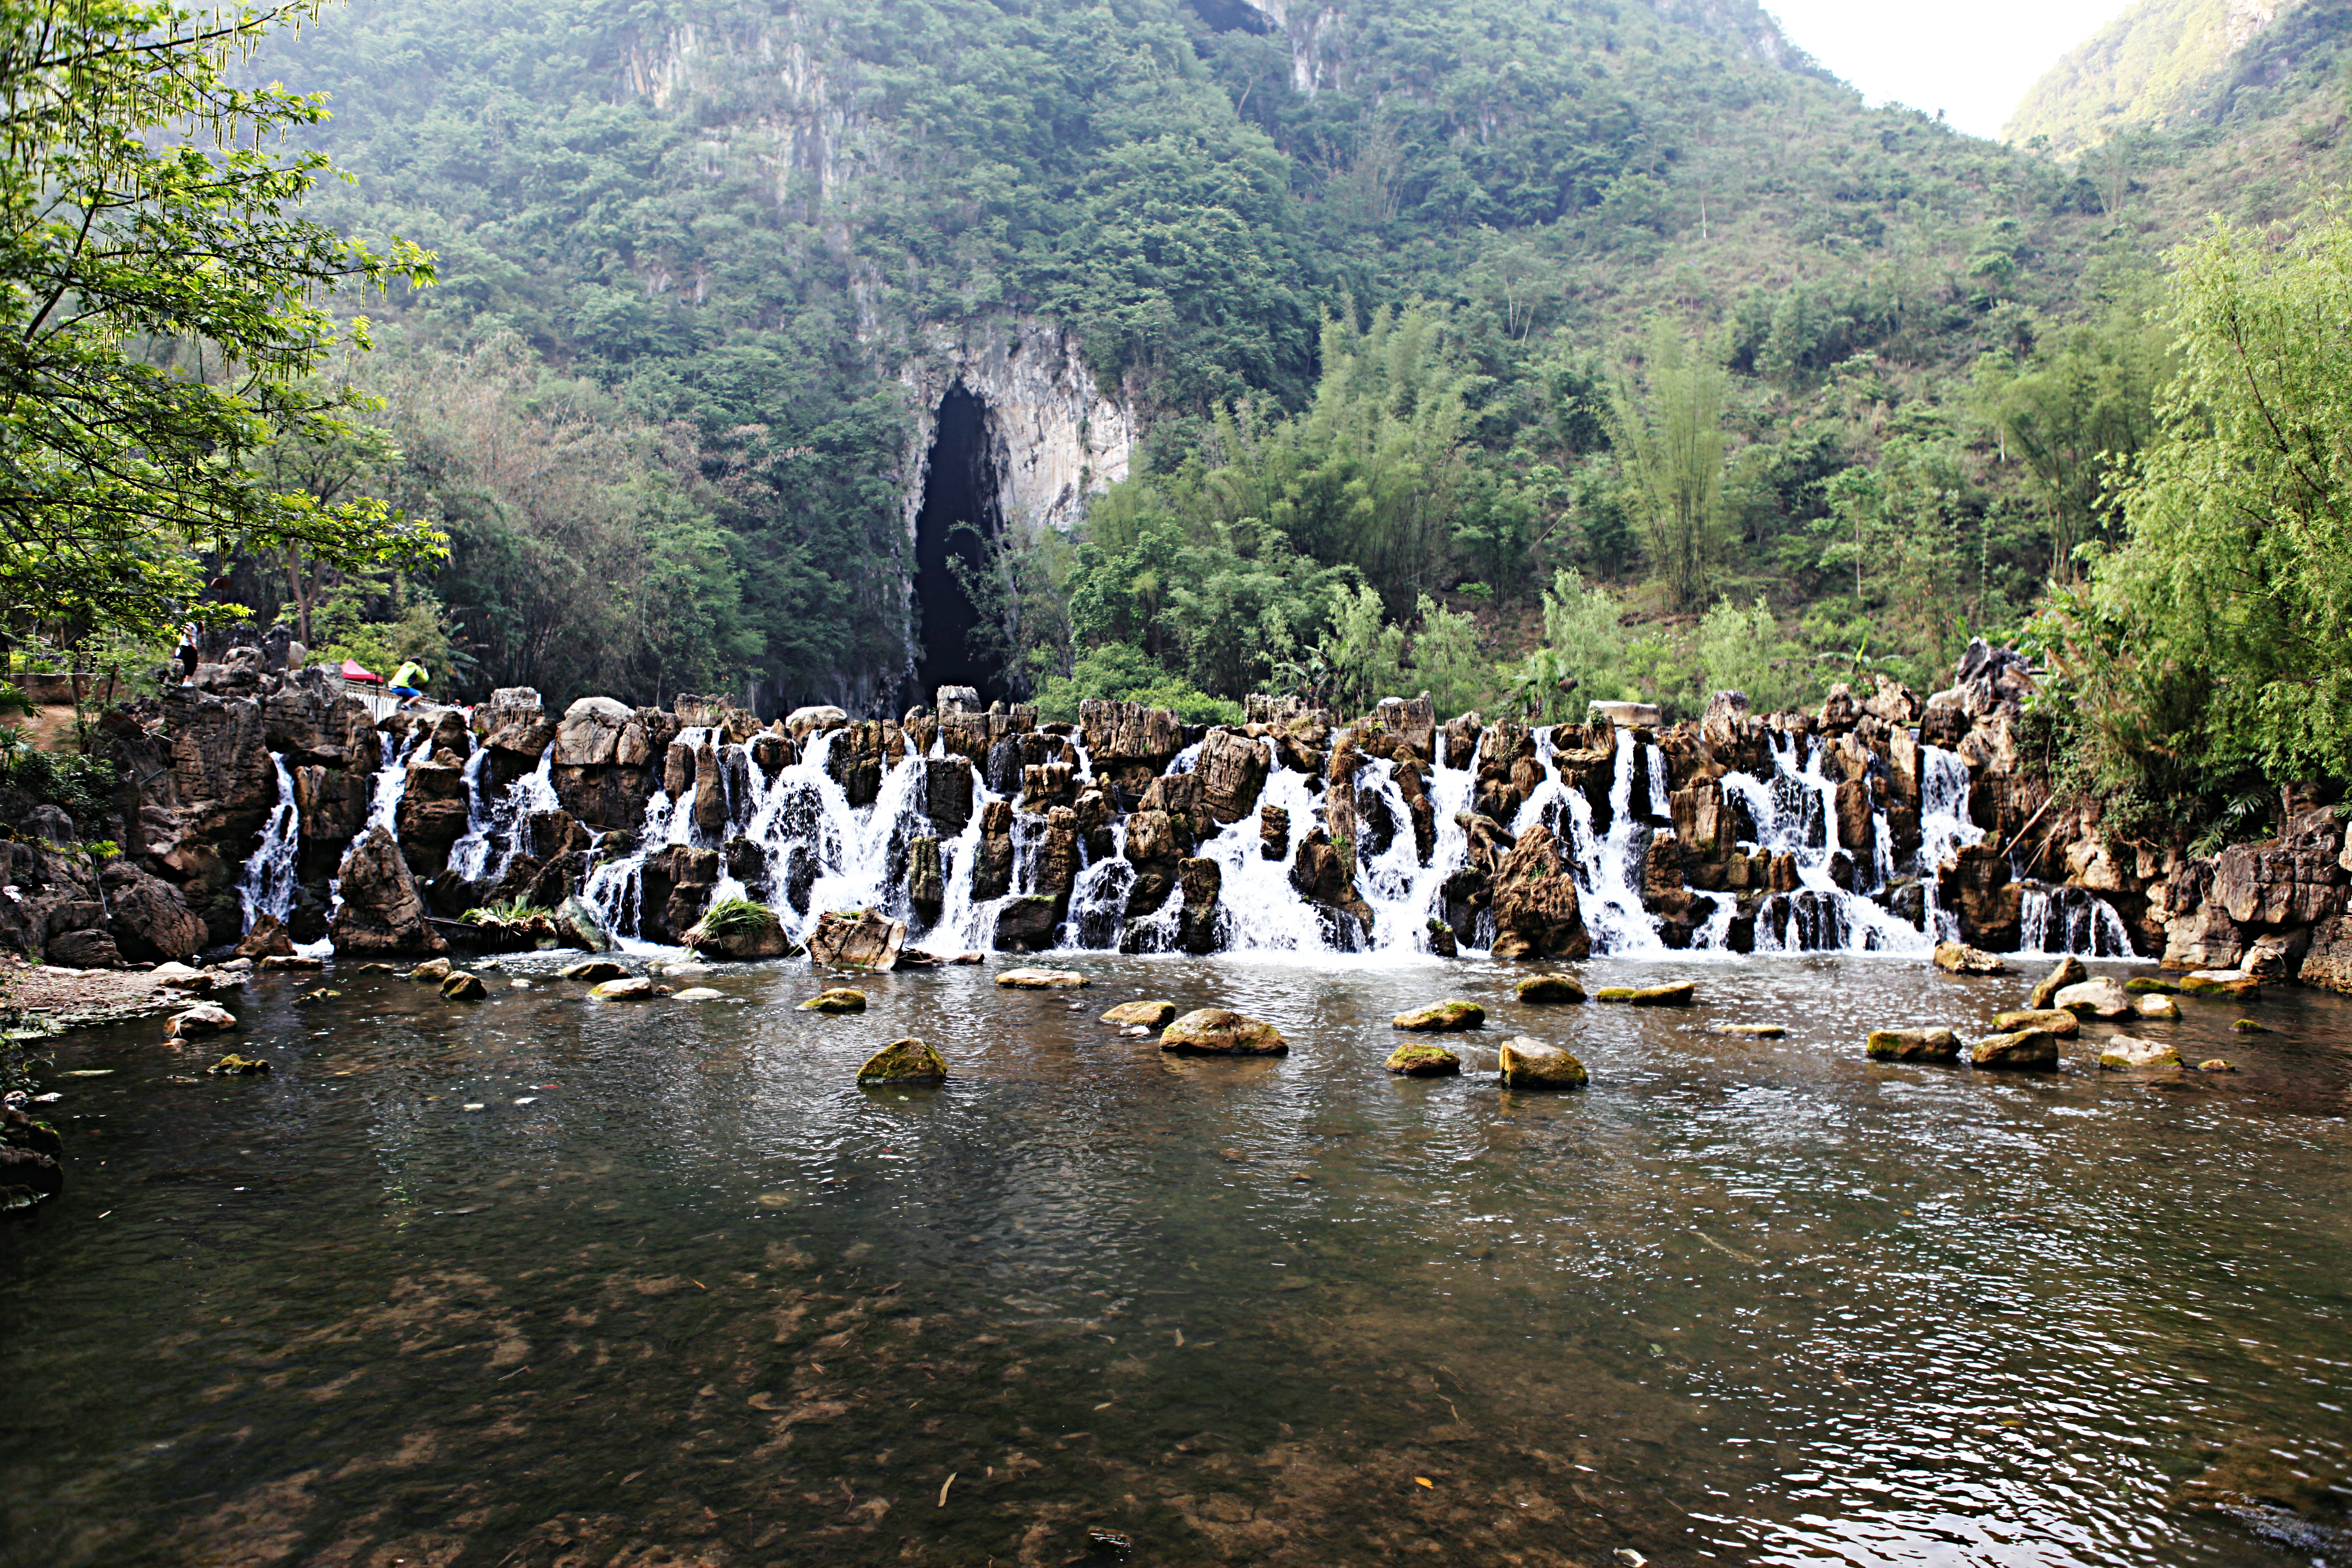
<point x="2021" y="1050"/>
<point x="2159" y="1006"/>
<point x="1531" y="1064"/>
<point x="1150" y="1015"/>
<point x="461" y="987"/>
<point x="234" y="1066"/>
<point x="1423" y="1061"/>
<point x="904" y="1061"/>
<point x="1449" y="1017"/>
<point x="437" y="969"/>
<point x="1221" y="1032"/>
<point x="2124" y="1053"/>
<point x="2057" y="1020"/>
<point x="1677" y="995"/>
<point x="1550" y="988"/>
<point x="2070" y="972"/>
<point x="836" y="1000"/>
<point x="2146" y="984"/>
<point x="2206" y="985"/>
<point x="592" y="970"/>
<point x="2248" y="1026"/>
<point x="1914" y="1044"/>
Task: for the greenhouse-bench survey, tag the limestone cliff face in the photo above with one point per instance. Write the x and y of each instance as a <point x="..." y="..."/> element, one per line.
<point x="1055" y="438"/>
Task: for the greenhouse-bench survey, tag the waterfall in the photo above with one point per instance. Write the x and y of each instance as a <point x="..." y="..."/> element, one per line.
<point x="495" y="830"/>
<point x="1944" y="826"/>
<point x="268" y="886"/>
<point x="2071" y="920"/>
<point x="1608" y="865"/>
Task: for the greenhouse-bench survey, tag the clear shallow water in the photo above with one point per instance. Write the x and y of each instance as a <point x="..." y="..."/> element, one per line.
<point x="704" y="1301"/>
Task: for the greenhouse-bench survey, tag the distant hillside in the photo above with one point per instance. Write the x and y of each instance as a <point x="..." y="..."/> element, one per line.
<point x="2176" y="64"/>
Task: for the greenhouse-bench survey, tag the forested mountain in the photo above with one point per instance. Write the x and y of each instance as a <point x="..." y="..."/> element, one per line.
<point x="1185" y="349"/>
<point x="2180" y="64"/>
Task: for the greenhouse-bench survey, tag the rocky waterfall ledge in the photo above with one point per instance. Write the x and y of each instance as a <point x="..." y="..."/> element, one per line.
<point x="267" y="810"/>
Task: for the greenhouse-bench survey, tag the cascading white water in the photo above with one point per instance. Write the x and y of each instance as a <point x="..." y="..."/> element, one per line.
<point x="1944" y="827"/>
<point x="2071" y="920"/>
<point x="268" y="886"/>
<point x="495" y="831"/>
<point x="1795" y="814"/>
<point x="1608" y="865"/>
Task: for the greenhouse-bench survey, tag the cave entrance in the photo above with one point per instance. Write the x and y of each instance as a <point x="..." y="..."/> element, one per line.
<point x="958" y="522"/>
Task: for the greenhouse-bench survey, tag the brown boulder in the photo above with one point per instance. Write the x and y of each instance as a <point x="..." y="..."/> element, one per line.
<point x="146" y="916"/>
<point x="268" y="939"/>
<point x="1232" y="769"/>
<point x="856" y="940"/>
<point x="382" y="913"/>
<point x="1537" y="914"/>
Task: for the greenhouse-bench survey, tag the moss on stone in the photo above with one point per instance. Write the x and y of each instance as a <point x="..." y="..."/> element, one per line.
<point x="904" y="1061"/>
<point x="1449" y="1017"/>
<point x="1423" y="1061"/>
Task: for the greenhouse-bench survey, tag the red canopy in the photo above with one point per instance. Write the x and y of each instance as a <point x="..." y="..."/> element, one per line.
<point x="355" y="670"/>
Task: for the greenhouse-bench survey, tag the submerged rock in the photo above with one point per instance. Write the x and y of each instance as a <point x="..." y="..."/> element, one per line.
<point x="2148" y="984"/>
<point x="202" y="1019"/>
<point x="1423" y="1061"/>
<point x="2070" y="972"/>
<point x="2123" y="1052"/>
<point x="904" y="1061"/>
<point x="633" y="987"/>
<point x="266" y="939"/>
<point x="1219" y="1031"/>
<point x="1550" y="988"/>
<point x="461" y="986"/>
<point x="1914" y="1044"/>
<point x="2029" y="1050"/>
<point x="2216" y="1064"/>
<point x="2248" y="1026"/>
<point x="1956" y="958"/>
<point x="277" y="962"/>
<point x="2096" y="999"/>
<point x="1150" y="1015"/>
<point x="1531" y="1064"/>
<point x="592" y="970"/>
<point x="1753" y="1031"/>
<point x="2218" y="982"/>
<point x="700" y="994"/>
<point x="835" y="999"/>
<point x="1041" y="979"/>
<point x="1444" y="1018"/>
<point x="2056" y="1020"/>
<point x="234" y="1066"/>
<point x="1681" y="995"/>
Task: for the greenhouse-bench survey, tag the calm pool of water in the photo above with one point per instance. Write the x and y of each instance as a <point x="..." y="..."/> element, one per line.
<point x="678" y="1292"/>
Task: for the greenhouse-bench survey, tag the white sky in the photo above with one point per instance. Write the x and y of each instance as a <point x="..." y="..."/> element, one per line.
<point x="1972" y="61"/>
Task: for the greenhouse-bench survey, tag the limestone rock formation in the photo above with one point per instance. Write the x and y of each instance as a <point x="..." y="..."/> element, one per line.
<point x="146" y="916"/>
<point x="1232" y="769"/>
<point x="382" y="913"/>
<point x="856" y="940"/>
<point x="1537" y="914"/>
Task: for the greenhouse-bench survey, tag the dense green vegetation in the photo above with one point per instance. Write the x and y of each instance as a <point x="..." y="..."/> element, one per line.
<point x="1546" y="349"/>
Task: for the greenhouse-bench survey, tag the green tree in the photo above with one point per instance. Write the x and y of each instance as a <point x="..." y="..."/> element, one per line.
<point x="1671" y="442"/>
<point x="2233" y="600"/>
<point x="163" y="309"/>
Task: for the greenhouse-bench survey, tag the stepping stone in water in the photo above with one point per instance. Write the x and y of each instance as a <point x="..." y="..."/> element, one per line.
<point x="839" y="999"/>
<point x="1531" y="1064"/>
<point x="1041" y="979"/>
<point x="1423" y="1061"/>
<point x="1446" y="1018"/>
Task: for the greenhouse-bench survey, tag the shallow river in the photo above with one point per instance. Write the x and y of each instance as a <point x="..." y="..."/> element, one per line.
<point x="678" y="1293"/>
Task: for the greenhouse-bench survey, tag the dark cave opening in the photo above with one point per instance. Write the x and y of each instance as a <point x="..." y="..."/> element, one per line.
<point x="961" y="488"/>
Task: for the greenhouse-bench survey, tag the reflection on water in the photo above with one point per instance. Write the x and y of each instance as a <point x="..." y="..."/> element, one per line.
<point x="677" y="1293"/>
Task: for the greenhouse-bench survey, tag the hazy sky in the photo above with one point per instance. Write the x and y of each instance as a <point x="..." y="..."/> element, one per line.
<point x="1972" y="61"/>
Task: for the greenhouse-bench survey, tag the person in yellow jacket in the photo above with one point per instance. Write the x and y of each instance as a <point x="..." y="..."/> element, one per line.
<point x="408" y="683"/>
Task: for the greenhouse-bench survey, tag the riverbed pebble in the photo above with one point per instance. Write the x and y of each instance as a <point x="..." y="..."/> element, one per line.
<point x="1913" y="1045"/>
<point x="1444" y="1018"/>
<point x="904" y="1061"/>
<point x="1041" y="979"/>
<point x="835" y="999"/>
<point x="1150" y="1014"/>
<point x="1222" y="1032"/>
<point x="202" y="1019"/>
<point x="1423" y="1061"/>
<point x="2026" y="1050"/>
<point x="2070" y="972"/>
<point x="1531" y="1064"/>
